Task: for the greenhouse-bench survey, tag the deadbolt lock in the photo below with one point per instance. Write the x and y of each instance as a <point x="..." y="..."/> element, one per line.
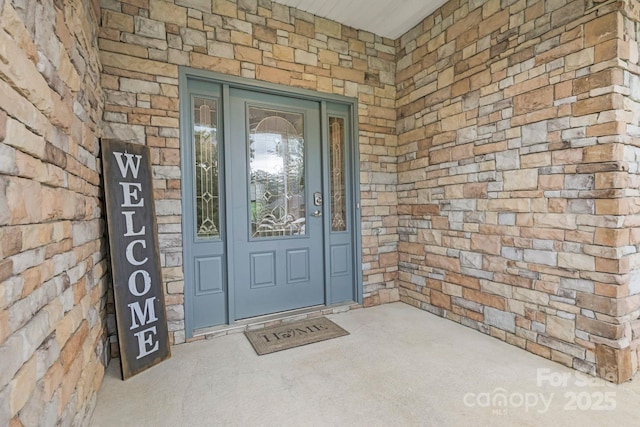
<point x="317" y="198"/>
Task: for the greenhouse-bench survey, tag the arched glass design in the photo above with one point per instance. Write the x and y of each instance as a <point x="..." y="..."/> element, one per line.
<point x="277" y="199"/>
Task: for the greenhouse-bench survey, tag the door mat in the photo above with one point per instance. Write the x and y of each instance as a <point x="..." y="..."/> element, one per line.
<point x="293" y="334"/>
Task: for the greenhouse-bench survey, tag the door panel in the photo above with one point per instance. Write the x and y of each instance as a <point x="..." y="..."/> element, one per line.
<point x="203" y="201"/>
<point x="340" y="201"/>
<point x="277" y="229"/>
<point x="269" y="193"/>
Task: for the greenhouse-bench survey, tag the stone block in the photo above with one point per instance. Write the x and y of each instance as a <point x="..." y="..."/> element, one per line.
<point x="328" y="27"/>
<point x="562" y="329"/>
<point x="471" y="259"/>
<point x="533" y="101"/>
<point x="600" y="328"/>
<point x="579" y="182"/>
<point x="136" y="41"/>
<point x="164" y="11"/>
<point x="225" y="8"/>
<point x="603" y="153"/>
<point x="500" y="319"/>
<point x="597" y="104"/>
<point x="139" y="86"/>
<point x="243" y="53"/>
<point x="8" y="165"/>
<point x="150" y="28"/>
<point x="12" y="354"/>
<point x="541" y="257"/>
<point x="111" y="46"/>
<point x="570" y="12"/>
<point x="523" y="179"/>
<point x="265" y="34"/>
<point x="486" y="244"/>
<point x="553" y="220"/>
<point x="581" y="206"/>
<point x="532" y="296"/>
<point x="578" y="262"/>
<point x="561" y="346"/>
<point x="306" y="58"/>
<point x="597" y="80"/>
<point x="597" y="303"/>
<point x="124" y="132"/>
<point x="507" y="160"/>
<point x="510" y="205"/>
<point x="438" y="299"/>
<point x="222" y="50"/>
<point x="117" y="21"/>
<point x="250" y="6"/>
<point x="18" y="136"/>
<point x="121" y="98"/>
<point x="131" y="63"/>
<point x="280" y="12"/>
<point x="580" y="59"/>
<point x="534" y="133"/>
<point x="3" y="125"/>
<point x="6" y="271"/>
<point x="70" y="382"/>
<point x="201" y="5"/>
<point x="22" y="385"/>
<point x="221" y="65"/>
<point x="193" y="37"/>
<point x="168" y="207"/>
<point x="614" y="364"/>
<point x="604" y="28"/>
<point x="486" y="299"/>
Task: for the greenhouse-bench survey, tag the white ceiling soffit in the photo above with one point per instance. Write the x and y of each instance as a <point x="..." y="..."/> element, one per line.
<point x="387" y="18"/>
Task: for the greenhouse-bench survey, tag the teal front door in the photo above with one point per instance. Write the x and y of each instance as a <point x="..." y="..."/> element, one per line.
<point x="270" y="218"/>
<point x="277" y="204"/>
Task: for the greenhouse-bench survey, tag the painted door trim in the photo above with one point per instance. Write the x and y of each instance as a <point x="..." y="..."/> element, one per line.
<point x="226" y="82"/>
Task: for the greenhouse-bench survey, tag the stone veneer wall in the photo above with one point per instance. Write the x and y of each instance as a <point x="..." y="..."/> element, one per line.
<point x="518" y="162"/>
<point x="143" y="42"/>
<point x="627" y="49"/>
<point x="52" y="257"/>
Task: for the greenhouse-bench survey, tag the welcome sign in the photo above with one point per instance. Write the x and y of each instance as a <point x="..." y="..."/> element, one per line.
<point x="135" y="263"/>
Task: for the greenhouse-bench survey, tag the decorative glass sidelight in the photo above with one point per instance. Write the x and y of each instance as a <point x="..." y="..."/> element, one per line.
<point x="276" y="173"/>
<point x="205" y="134"/>
<point x="336" y="148"/>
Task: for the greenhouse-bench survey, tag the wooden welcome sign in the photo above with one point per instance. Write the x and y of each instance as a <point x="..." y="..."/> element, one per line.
<point x="135" y="262"/>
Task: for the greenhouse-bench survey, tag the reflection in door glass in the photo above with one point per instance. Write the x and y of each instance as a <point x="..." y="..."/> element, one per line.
<point x="205" y="135"/>
<point x="338" y="202"/>
<point x="277" y="193"/>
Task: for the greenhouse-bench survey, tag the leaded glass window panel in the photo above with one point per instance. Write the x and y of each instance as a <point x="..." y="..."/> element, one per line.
<point x="277" y="190"/>
<point x="205" y="135"/>
<point x="338" y="196"/>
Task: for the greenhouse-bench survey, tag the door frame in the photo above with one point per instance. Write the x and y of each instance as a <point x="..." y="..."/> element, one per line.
<point x="226" y="82"/>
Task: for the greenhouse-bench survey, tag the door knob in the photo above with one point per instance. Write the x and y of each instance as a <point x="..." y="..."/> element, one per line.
<point x="317" y="213"/>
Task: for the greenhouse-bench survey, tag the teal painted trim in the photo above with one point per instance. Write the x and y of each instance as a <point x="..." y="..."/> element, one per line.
<point x="357" y="217"/>
<point x="226" y="138"/>
<point x="266" y="87"/>
<point x="184" y="101"/>
<point x="326" y="202"/>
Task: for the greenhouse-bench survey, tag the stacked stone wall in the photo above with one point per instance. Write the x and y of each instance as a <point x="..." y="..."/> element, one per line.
<point x="629" y="51"/>
<point x="143" y="42"/>
<point x="517" y="175"/>
<point x="52" y="259"/>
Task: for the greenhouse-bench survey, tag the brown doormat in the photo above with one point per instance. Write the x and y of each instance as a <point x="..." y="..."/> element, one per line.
<point x="293" y="334"/>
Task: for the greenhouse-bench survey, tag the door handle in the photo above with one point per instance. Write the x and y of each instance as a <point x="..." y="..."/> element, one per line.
<point x="317" y="213"/>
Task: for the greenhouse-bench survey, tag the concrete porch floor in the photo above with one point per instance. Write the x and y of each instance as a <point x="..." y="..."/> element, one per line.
<point x="399" y="366"/>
